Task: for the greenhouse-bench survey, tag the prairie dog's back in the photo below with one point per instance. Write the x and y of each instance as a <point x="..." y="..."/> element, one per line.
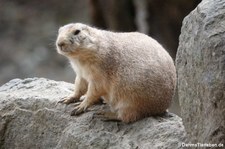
<point x="138" y="53"/>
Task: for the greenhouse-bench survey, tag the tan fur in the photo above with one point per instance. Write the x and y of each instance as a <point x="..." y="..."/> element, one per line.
<point x="130" y="71"/>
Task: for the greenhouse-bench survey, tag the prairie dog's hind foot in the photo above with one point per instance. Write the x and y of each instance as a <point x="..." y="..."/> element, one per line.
<point x="107" y="116"/>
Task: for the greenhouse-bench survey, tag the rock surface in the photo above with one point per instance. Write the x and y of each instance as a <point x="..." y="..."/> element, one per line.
<point x="31" y="118"/>
<point x="201" y="73"/>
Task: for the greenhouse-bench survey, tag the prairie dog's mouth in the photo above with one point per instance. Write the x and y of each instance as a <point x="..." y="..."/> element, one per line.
<point x="63" y="48"/>
<point x="67" y="50"/>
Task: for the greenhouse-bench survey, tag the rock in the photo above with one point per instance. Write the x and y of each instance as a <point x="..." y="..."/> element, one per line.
<point x="31" y="118"/>
<point x="201" y="73"/>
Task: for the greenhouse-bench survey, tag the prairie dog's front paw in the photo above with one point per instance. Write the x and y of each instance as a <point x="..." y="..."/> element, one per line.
<point x="81" y="108"/>
<point x="69" y="100"/>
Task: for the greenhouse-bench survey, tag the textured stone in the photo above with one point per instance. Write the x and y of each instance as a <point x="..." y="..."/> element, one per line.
<point x="201" y="72"/>
<point x="31" y="118"/>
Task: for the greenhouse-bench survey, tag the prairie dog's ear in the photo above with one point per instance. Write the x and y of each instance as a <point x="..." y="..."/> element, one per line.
<point x="84" y="27"/>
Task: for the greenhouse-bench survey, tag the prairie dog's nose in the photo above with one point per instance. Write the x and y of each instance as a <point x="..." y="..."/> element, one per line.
<point x="61" y="44"/>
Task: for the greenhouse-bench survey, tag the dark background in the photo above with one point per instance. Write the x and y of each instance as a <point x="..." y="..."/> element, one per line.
<point x="28" y="29"/>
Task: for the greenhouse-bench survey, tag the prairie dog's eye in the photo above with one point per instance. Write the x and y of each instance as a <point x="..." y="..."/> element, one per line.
<point x="76" y="32"/>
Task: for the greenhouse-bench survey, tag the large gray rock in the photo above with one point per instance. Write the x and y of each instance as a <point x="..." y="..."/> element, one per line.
<point x="201" y="73"/>
<point x="31" y="118"/>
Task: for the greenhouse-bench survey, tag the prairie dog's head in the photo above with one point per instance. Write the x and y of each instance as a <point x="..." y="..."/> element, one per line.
<point x="73" y="38"/>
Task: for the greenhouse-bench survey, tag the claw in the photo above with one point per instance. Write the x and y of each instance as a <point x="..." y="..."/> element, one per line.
<point x="77" y="112"/>
<point x="68" y="100"/>
<point x="79" y="109"/>
<point x="77" y="103"/>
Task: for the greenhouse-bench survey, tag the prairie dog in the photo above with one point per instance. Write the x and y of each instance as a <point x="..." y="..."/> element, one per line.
<point x="132" y="72"/>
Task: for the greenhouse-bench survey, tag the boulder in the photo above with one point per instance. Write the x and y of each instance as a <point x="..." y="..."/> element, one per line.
<point x="200" y="65"/>
<point x="30" y="117"/>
